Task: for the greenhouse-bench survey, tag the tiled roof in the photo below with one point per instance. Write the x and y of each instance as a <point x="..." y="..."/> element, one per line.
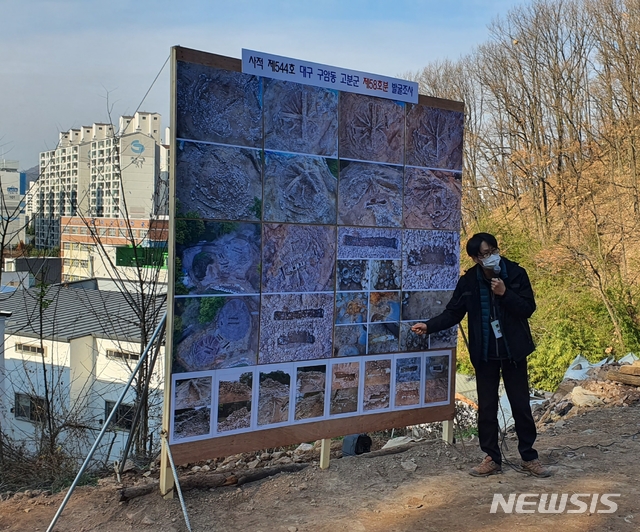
<point x="69" y="313"/>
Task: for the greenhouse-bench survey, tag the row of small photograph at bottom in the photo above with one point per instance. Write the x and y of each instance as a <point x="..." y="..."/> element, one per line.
<point x="211" y="404"/>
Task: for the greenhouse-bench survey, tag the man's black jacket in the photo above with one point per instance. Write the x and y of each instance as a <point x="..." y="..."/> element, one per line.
<point x="517" y="305"/>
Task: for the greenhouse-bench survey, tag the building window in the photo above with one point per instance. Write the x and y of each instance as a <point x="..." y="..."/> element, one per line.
<point x="123" y="418"/>
<point x="122" y="355"/>
<point x="28" y="407"/>
<point x="30" y="349"/>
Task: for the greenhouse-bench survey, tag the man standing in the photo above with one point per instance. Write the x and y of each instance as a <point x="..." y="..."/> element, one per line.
<point x="498" y="298"/>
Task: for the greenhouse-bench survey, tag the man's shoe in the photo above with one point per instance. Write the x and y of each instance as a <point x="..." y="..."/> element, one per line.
<point x="535" y="468"/>
<point x="487" y="467"/>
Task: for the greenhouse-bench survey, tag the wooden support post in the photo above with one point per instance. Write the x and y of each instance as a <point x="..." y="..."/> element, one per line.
<point x="447" y="431"/>
<point x="166" y="475"/>
<point x="325" y="453"/>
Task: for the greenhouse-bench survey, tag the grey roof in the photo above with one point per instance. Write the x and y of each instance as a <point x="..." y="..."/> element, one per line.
<point x="70" y="313"/>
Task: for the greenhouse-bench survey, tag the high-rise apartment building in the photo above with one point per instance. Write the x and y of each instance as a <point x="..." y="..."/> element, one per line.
<point x="98" y="172"/>
<point x="13" y="184"/>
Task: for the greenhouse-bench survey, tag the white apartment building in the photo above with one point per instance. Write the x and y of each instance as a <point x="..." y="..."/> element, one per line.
<point x="96" y="171"/>
<point x="12" y="192"/>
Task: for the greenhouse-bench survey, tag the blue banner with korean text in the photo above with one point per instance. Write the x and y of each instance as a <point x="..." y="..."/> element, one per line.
<point x="331" y="77"/>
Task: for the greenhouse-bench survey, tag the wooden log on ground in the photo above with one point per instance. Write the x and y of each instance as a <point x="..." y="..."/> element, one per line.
<point x="126" y="494"/>
<point x="631" y="380"/>
<point x="214" y="480"/>
<point x="258" y="474"/>
<point x="205" y="482"/>
<point x="630" y="370"/>
<point x="187" y="483"/>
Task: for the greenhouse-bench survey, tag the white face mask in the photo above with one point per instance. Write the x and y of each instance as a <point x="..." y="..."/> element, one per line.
<point x="492" y="262"/>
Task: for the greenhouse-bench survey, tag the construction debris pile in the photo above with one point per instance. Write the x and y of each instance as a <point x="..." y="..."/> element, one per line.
<point x="606" y="384"/>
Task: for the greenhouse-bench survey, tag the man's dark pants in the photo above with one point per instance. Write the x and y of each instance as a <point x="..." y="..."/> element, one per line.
<point x="516" y="383"/>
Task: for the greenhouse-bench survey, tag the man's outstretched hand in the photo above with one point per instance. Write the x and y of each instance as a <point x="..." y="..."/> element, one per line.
<point x="419" y="329"/>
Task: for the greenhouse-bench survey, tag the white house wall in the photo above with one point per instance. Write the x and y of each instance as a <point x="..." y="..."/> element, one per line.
<point x="83" y="378"/>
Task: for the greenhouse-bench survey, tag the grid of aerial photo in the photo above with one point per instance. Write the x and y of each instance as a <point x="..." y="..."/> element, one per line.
<point x="313" y="228"/>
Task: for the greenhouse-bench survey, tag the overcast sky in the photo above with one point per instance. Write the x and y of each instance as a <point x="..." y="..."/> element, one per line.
<point x="64" y="62"/>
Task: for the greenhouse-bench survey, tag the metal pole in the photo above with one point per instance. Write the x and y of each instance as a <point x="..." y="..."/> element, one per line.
<point x="177" y="482"/>
<point x="106" y="425"/>
<point x="136" y="417"/>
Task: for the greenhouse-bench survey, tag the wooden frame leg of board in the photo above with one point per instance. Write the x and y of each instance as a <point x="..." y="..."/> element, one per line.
<point x="447" y="431"/>
<point x="166" y="475"/>
<point x="325" y="453"/>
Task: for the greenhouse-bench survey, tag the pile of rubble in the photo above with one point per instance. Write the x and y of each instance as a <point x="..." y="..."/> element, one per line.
<point x="464" y="422"/>
<point x="305" y="452"/>
<point x="602" y="385"/>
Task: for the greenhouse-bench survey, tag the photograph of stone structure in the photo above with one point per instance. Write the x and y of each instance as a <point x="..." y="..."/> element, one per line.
<point x="410" y="341"/>
<point x="225" y="260"/>
<point x="299" y="189"/>
<point x="371" y="129"/>
<point x="424" y="305"/>
<point x="436" y="379"/>
<point x="311" y="383"/>
<point x="377" y="384"/>
<point x="432" y="199"/>
<point x="384" y="307"/>
<point x="350" y="340"/>
<point x="235" y="394"/>
<point x="191" y="422"/>
<point x="386" y="274"/>
<point x="298" y="258"/>
<point x="295" y="327"/>
<point x="274" y="395"/>
<point x="444" y="339"/>
<point x="351" y="307"/>
<point x="369" y="243"/>
<point x="430" y="260"/>
<point x="192" y="393"/>
<point x="352" y="275"/>
<point x="218" y="182"/>
<point x="217" y="105"/>
<point x="345" y="380"/>
<point x="214" y="332"/>
<point x="434" y="138"/>
<point x="407" y="381"/>
<point x="192" y="408"/>
<point x="383" y="338"/>
<point x="300" y="118"/>
<point x="370" y="194"/>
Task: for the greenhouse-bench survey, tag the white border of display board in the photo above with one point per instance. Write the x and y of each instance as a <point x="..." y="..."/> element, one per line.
<point x="327" y="76"/>
<point x="198" y="303"/>
<point x="233" y="374"/>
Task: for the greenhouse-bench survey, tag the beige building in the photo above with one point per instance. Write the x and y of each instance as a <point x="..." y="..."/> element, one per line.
<point x="99" y="172"/>
<point x="103" y="248"/>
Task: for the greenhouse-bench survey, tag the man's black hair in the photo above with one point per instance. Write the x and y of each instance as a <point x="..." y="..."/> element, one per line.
<point x="474" y="243"/>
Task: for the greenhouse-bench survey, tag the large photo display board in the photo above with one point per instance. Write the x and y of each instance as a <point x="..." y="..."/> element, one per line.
<point x="312" y="227"/>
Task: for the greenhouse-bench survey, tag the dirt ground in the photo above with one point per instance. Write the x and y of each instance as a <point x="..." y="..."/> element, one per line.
<point x="595" y="451"/>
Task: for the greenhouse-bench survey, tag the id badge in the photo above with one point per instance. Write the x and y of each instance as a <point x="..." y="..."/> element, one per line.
<point x="495" y="324"/>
